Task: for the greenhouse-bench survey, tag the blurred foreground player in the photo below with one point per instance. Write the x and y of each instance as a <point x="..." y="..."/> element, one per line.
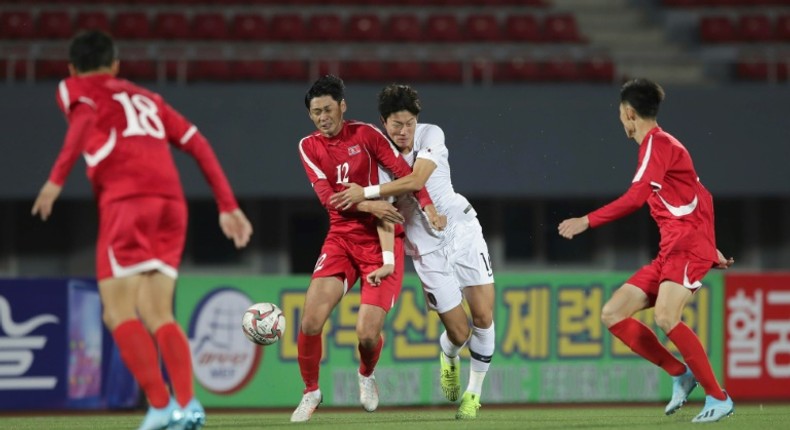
<point x="124" y="132"/>
<point x="683" y="210"/>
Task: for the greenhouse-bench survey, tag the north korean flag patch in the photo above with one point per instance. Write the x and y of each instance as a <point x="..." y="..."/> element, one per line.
<point x="354" y="150"/>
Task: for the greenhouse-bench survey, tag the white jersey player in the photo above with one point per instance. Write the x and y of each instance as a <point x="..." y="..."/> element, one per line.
<point x="453" y="263"/>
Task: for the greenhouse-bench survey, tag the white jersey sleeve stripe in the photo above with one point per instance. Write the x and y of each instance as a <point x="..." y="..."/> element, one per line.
<point x="317" y="171"/>
<point x="188" y="135"/>
<point x="88" y="102"/>
<point x="63" y="91"/>
<point x="645" y="161"/>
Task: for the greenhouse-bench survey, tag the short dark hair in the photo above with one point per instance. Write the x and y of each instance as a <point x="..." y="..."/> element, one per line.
<point x="397" y="97"/>
<point x="92" y="50"/>
<point x="327" y="85"/>
<point x="644" y="95"/>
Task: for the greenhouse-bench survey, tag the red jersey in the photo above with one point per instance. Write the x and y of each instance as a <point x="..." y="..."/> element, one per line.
<point x="126" y="144"/>
<point x="354" y="155"/>
<point x="681" y="206"/>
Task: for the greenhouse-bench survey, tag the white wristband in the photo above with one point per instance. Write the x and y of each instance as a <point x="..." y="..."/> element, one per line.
<point x="388" y="257"/>
<point x="372" y="192"/>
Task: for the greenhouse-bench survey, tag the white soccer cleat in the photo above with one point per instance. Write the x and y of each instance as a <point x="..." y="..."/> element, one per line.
<point x="682" y="386"/>
<point x="715" y="409"/>
<point x="307" y="406"/>
<point x="368" y="392"/>
<point x="163" y="418"/>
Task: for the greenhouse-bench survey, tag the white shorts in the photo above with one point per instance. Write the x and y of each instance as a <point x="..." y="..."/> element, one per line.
<point x="463" y="262"/>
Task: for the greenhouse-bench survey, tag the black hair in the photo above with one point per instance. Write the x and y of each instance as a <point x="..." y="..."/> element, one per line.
<point x="397" y="97"/>
<point x="644" y="95"/>
<point x="92" y="50"/>
<point x="327" y="85"/>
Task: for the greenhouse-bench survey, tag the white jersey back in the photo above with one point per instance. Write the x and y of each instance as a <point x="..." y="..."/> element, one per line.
<point x="420" y="237"/>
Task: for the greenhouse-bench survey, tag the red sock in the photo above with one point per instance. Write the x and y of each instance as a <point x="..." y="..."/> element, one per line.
<point x="644" y="342"/>
<point x="369" y="357"/>
<point x="690" y="347"/>
<point x="177" y="356"/>
<point x="139" y="353"/>
<point x="309" y="356"/>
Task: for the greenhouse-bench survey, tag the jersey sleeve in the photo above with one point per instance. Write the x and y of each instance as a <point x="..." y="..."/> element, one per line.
<point x="81" y="119"/>
<point x="315" y="175"/>
<point x="70" y="95"/>
<point x="186" y="137"/>
<point x="433" y="148"/>
<point x="649" y="176"/>
<point x="388" y="157"/>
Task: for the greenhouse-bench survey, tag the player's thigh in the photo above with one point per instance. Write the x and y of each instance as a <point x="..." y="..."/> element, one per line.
<point x="155" y="299"/>
<point x="370" y="322"/>
<point x="368" y="257"/>
<point x="456" y="322"/>
<point x="480" y="299"/>
<point x="322" y="296"/>
<point x="170" y="234"/>
<point x="681" y="277"/>
<point x="439" y="284"/>
<point x="119" y="299"/>
<point x="626" y="301"/>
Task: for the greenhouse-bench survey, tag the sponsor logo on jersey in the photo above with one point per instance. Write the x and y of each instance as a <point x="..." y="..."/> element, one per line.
<point x="223" y="359"/>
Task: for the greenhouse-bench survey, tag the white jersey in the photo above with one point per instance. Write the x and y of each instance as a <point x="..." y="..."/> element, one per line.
<point x="421" y="239"/>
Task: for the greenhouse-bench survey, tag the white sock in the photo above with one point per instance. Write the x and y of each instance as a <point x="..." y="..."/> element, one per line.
<point x="481" y="348"/>
<point x="450" y="349"/>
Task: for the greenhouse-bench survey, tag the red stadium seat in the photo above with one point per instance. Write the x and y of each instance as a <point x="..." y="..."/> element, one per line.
<point x="561" y="28"/>
<point x="289" y="70"/>
<point x="249" y="70"/>
<point x="403" y="28"/>
<point x="480" y="27"/>
<point x="364" y="28"/>
<point x="287" y="27"/>
<point x="54" y="25"/>
<point x="597" y="69"/>
<point x="52" y="69"/>
<point x="325" y="27"/>
<point x="13" y="70"/>
<point x="444" y="71"/>
<point x="404" y="71"/>
<point x="208" y="70"/>
<point x="442" y="28"/>
<point x="92" y="21"/>
<point x="522" y="28"/>
<point x="755" y="28"/>
<point x="717" y="29"/>
<point x="783" y="28"/>
<point x="518" y="69"/>
<point x="138" y="70"/>
<point x="209" y="26"/>
<point x="17" y="25"/>
<point x="561" y="69"/>
<point x="370" y="70"/>
<point x="171" y="25"/>
<point x="131" y="25"/>
<point x="249" y="27"/>
<point x="752" y="68"/>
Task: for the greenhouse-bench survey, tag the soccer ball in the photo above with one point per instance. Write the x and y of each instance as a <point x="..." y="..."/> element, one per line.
<point x="263" y="323"/>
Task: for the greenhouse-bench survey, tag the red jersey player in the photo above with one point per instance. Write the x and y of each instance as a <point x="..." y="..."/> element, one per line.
<point x="683" y="210"/>
<point x="124" y="132"/>
<point x="342" y="152"/>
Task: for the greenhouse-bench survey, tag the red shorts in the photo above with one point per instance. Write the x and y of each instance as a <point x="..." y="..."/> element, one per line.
<point x="140" y="234"/>
<point x="681" y="268"/>
<point x="348" y="261"/>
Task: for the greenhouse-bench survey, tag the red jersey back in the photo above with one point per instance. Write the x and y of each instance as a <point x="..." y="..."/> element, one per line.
<point x="353" y="155"/>
<point x="127" y="149"/>
<point x="681" y="206"/>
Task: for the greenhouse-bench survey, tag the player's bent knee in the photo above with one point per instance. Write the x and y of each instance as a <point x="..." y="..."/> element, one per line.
<point x="610" y="318"/>
<point x="665" y="322"/>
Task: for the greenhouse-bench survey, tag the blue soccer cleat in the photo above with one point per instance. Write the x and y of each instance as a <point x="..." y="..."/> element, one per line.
<point x="682" y="386"/>
<point x="162" y="418"/>
<point x="194" y="415"/>
<point x="715" y="409"/>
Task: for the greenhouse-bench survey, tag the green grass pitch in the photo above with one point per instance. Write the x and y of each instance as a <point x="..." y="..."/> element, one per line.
<point x="622" y="416"/>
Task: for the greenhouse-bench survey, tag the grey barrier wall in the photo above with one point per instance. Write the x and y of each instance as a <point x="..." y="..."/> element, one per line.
<point x="505" y="141"/>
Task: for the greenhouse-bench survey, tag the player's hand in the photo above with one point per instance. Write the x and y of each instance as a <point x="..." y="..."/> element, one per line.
<point x="438" y="222"/>
<point x="381" y="210"/>
<point x="236" y="227"/>
<point x="724" y="263"/>
<point x="375" y="277"/>
<point x="344" y="199"/>
<point x="573" y="226"/>
<point x="45" y="200"/>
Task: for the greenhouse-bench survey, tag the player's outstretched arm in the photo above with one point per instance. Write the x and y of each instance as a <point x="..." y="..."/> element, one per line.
<point x="573" y="226"/>
<point x="386" y="231"/>
<point x="724" y="263"/>
<point x="42" y="207"/>
<point x="236" y="227"/>
<point x="382" y="210"/>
